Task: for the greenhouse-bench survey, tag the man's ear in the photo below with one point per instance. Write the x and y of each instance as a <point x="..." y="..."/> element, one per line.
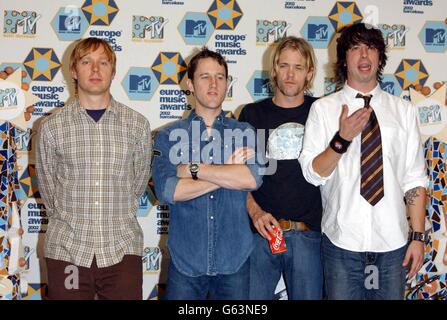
<point x="190" y="85"/>
<point x="74" y="74"/>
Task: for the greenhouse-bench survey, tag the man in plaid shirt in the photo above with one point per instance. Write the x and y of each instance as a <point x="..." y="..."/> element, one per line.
<point x="93" y="163"/>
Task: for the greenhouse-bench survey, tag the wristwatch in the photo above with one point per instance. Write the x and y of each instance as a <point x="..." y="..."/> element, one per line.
<point x="194" y="168"/>
<point x="418" y="236"/>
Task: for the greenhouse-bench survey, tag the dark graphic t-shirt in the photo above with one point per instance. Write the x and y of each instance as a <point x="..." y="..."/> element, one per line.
<point x="285" y="194"/>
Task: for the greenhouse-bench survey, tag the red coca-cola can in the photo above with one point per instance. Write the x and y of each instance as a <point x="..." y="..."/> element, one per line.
<point x="277" y="242"/>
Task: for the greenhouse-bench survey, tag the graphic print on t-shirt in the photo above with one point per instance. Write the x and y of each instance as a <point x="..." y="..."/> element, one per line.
<point x="286" y="142"/>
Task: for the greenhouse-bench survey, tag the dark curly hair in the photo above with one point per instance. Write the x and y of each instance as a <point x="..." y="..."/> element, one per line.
<point x="359" y="33"/>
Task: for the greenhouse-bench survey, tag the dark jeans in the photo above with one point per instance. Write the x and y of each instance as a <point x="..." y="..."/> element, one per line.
<point x="219" y="287"/>
<point x="300" y="265"/>
<point x="122" y="281"/>
<point x="353" y="275"/>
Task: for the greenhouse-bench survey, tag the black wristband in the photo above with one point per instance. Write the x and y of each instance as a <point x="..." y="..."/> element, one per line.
<point x="338" y="144"/>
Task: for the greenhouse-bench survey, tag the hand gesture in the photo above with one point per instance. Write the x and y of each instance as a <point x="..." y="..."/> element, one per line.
<point x="351" y="126"/>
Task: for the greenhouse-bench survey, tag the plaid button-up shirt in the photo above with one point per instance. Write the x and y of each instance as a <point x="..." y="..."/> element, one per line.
<point x="91" y="175"/>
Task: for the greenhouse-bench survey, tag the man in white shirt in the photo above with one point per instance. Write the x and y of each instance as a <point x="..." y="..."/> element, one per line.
<point x="362" y="146"/>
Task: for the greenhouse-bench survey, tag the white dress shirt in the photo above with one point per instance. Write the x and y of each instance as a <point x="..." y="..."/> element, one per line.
<point x="349" y="221"/>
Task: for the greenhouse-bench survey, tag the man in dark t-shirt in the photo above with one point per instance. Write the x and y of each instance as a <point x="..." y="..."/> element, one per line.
<point x="286" y="200"/>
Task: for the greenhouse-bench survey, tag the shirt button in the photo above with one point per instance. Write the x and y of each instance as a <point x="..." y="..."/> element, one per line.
<point x="211" y="217"/>
<point x="96" y="202"/>
<point x="211" y="197"/>
<point x="211" y="158"/>
<point x="97" y="183"/>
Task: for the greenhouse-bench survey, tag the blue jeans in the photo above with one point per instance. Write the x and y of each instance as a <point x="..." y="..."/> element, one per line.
<point x="353" y="275"/>
<point x="219" y="287"/>
<point x="300" y="265"/>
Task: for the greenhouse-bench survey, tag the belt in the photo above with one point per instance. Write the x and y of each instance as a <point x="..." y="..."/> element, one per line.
<point x="287" y="225"/>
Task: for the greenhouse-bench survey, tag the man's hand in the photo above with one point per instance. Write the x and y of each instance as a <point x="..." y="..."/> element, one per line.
<point x="261" y="220"/>
<point x="415" y="253"/>
<point x="351" y="126"/>
<point x="240" y="156"/>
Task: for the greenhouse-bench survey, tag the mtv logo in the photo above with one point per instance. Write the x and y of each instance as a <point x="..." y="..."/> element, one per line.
<point x="394" y="35"/>
<point x="152" y="26"/>
<point x="262" y="86"/>
<point x="139" y="83"/>
<point x="152" y="259"/>
<point x="195" y="28"/>
<point x="265" y="29"/>
<point x="435" y="36"/>
<point x="317" y="31"/>
<point x="8" y="98"/>
<point x="25" y="20"/>
<point x="22" y="140"/>
<point x="69" y="23"/>
<point x="388" y="86"/>
<point x="430" y="114"/>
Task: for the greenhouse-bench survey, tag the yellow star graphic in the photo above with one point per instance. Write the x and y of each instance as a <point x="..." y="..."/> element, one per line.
<point x="36" y="72"/>
<point x="174" y="75"/>
<point x="340" y="10"/>
<point x="104" y="18"/>
<point x="30" y="99"/>
<point x="234" y="14"/>
<point x="419" y="100"/>
<point x="406" y="67"/>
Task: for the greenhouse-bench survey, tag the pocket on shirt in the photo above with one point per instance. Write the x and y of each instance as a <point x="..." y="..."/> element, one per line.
<point x="393" y="141"/>
<point x="121" y="158"/>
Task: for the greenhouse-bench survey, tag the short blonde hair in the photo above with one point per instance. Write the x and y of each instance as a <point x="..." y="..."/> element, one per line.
<point x="300" y="45"/>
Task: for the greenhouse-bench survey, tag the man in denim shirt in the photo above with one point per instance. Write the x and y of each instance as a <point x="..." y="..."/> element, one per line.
<point x="203" y="168"/>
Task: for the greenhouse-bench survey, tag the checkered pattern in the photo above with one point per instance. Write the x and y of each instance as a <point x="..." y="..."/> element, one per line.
<point x="91" y="175"/>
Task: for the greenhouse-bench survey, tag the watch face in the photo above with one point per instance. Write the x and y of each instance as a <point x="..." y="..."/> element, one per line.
<point x="419" y="236"/>
<point x="193" y="167"/>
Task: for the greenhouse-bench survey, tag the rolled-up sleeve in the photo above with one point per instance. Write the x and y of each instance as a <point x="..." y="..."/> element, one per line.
<point x="415" y="173"/>
<point x="315" y="142"/>
<point x="164" y="173"/>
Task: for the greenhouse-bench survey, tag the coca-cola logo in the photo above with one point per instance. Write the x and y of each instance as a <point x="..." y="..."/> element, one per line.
<point x="278" y="240"/>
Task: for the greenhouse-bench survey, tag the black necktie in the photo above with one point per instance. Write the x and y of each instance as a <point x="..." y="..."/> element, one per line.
<point x="371" y="166"/>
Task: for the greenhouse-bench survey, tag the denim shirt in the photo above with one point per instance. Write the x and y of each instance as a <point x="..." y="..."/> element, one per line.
<point x="210" y="234"/>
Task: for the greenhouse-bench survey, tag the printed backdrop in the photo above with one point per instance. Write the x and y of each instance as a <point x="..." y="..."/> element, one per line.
<point x="153" y="41"/>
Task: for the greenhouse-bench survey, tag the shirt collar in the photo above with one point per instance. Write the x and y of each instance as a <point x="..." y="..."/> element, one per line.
<point x="78" y="109"/>
<point x="221" y="118"/>
<point x="351" y="93"/>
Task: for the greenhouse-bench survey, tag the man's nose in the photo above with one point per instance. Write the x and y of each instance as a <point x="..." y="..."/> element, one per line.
<point x="364" y="51"/>
<point x="95" y="66"/>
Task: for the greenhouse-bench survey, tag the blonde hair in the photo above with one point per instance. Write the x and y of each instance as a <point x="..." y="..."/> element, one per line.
<point x="300" y="45"/>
